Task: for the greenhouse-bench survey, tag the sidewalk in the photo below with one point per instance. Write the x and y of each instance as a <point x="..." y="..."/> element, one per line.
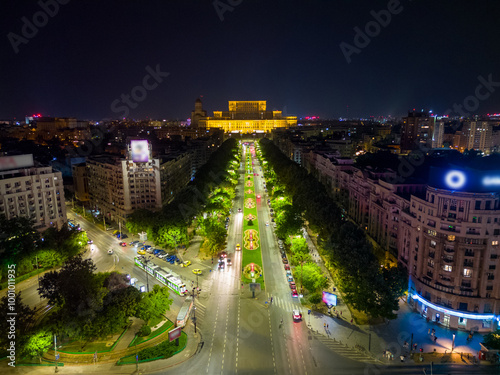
<point x="409" y="327"/>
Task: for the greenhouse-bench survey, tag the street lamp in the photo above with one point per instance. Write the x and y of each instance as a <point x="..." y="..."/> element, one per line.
<point x="146" y="260"/>
<point x="194" y="311"/>
<point x="453" y="343"/>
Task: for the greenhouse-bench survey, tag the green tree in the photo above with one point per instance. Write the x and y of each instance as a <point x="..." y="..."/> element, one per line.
<point x="315" y="298"/>
<point x="154" y="304"/>
<point x="299" y="245"/>
<point x="311" y="276"/>
<point x="37" y="344"/>
<point x="23" y="320"/>
<point x="492" y="340"/>
<point x="18" y="239"/>
<point x="172" y="235"/>
<point x="288" y="221"/>
<point x="74" y="288"/>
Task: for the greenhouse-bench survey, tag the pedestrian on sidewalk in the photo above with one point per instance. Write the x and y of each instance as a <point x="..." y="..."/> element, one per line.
<point x="327" y="326"/>
<point x="351" y="320"/>
<point x="324" y="325"/>
<point x="340" y="313"/>
<point x="435" y="339"/>
<point x="429" y="331"/>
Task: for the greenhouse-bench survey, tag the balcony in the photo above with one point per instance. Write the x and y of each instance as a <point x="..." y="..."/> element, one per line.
<point x="447" y="260"/>
<point x="468" y="263"/>
<point x="474" y="232"/>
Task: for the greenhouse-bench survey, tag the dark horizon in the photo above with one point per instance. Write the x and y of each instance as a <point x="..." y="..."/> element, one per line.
<point x="301" y="57"/>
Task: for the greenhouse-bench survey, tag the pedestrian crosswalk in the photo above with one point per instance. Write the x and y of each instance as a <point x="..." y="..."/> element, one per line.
<point x="340" y="347"/>
<point x="200" y="313"/>
<point x="288" y="303"/>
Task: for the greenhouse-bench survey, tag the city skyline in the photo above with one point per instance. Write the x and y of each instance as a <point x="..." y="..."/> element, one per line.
<point x="313" y="58"/>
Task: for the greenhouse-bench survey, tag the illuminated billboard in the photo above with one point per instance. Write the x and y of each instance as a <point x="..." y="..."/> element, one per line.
<point x="140" y="151"/>
<point x="330" y="299"/>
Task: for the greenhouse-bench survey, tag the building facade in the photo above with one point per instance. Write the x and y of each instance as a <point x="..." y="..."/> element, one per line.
<point x="417" y="131"/>
<point x="245" y="117"/>
<point x="118" y="187"/>
<point x="36" y="193"/>
<point x="478" y="135"/>
<point x="175" y="174"/>
<point x="445" y="231"/>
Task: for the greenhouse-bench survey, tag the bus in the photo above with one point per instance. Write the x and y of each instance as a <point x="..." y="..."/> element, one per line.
<point x="163" y="275"/>
<point x="184" y="312"/>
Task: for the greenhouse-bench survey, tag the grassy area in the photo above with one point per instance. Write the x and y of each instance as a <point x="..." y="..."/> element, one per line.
<point x="163" y="350"/>
<point x="87" y="347"/>
<point x="155" y="321"/>
<point x="251" y="256"/>
<point x="165" y="327"/>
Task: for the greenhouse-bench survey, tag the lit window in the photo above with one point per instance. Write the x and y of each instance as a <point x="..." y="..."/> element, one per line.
<point x="467" y="272"/>
<point x="448" y="268"/>
<point x="494" y="243"/>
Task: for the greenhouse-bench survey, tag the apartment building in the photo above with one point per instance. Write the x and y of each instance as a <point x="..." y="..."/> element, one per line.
<point x="34" y="192"/>
<point x="175" y="174"/>
<point x="445" y="231"/>
<point x="118" y="187"/>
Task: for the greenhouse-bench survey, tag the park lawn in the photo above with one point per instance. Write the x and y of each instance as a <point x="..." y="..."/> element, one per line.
<point x="251" y="256"/>
<point x="87" y="347"/>
<point x="165" y="326"/>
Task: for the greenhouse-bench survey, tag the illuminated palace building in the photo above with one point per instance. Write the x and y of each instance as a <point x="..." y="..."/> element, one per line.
<point x="450" y="244"/>
<point x="242" y="117"/>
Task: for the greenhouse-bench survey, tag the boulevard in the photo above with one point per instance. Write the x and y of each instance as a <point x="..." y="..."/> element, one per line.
<point x="241" y="333"/>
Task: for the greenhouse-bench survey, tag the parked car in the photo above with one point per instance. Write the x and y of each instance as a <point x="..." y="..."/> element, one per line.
<point x="124" y="236"/>
<point x="294" y="293"/>
<point x="156" y="251"/>
<point x="147" y="247"/>
<point x="141" y="252"/>
<point x="287" y="266"/>
<point x="292" y="285"/>
<point x="133" y="243"/>
<point x="162" y="254"/>
<point x="123" y="244"/>
<point x="285" y="261"/>
<point x="90" y="242"/>
<point x="187" y="263"/>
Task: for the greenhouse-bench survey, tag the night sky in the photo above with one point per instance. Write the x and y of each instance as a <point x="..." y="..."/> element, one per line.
<point x="428" y="56"/>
